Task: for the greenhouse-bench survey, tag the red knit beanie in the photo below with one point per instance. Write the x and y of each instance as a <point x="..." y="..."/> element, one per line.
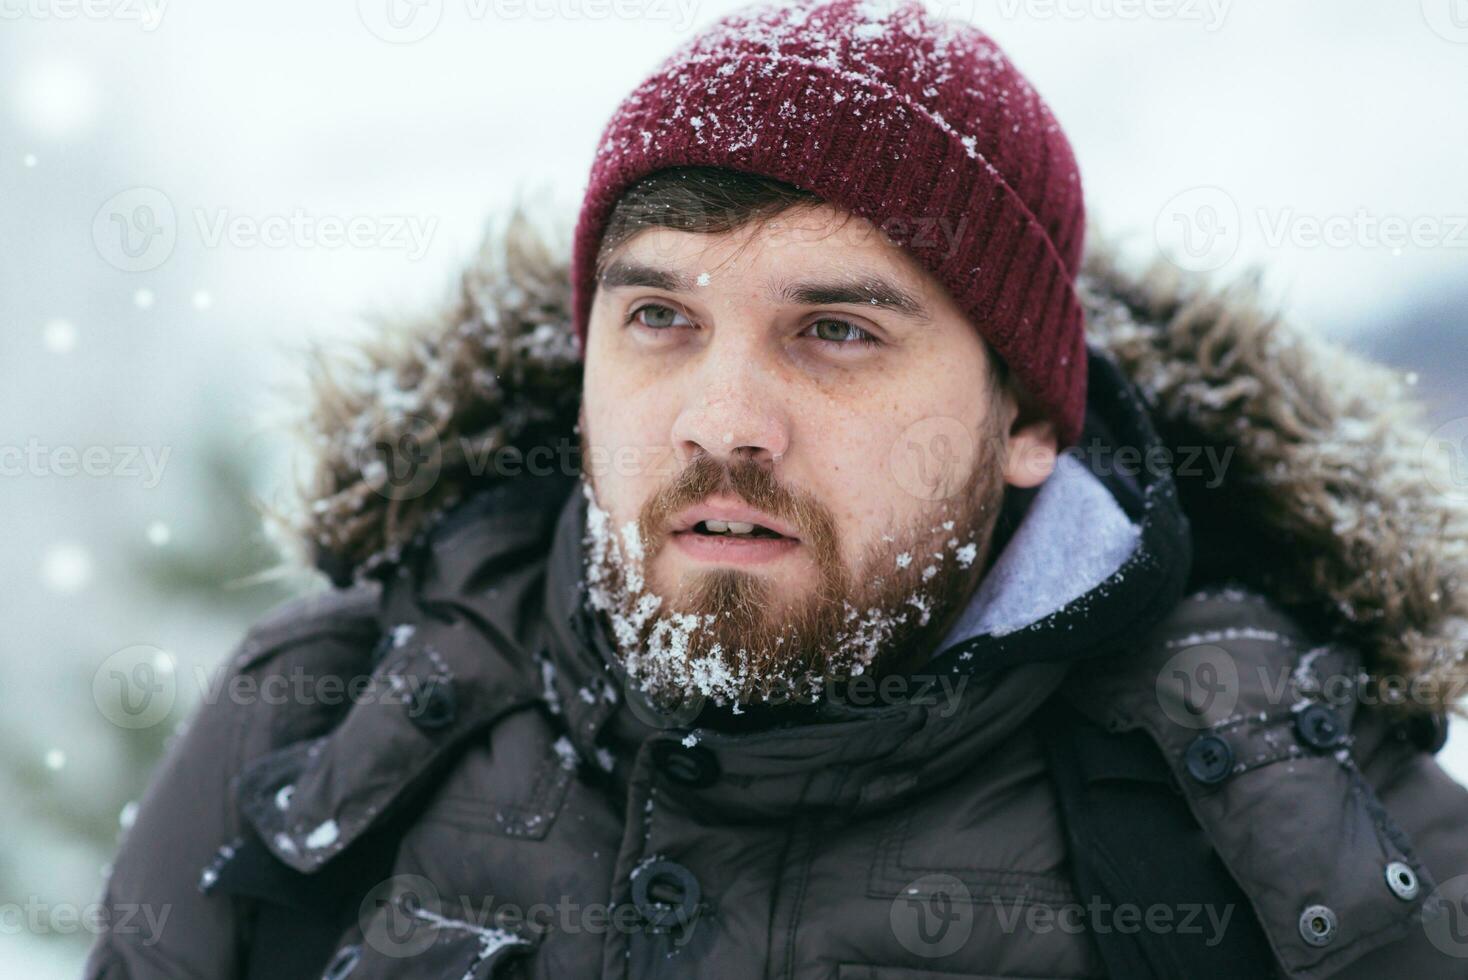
<point x="915" y="123"/>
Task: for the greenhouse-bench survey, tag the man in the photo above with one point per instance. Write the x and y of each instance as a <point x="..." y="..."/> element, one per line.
<point x="786" y="589"/>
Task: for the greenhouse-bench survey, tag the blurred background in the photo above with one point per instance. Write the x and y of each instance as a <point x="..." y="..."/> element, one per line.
<point x="170" y="177"/>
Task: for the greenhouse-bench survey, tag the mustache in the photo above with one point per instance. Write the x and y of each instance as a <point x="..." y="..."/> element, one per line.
<point x="749" y="480"/>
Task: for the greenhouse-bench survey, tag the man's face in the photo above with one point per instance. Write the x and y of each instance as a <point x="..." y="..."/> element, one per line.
<point x="802" y="375"/>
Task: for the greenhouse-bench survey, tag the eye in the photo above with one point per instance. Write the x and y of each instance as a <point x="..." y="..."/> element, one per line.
<point x="842" y="333"/>
<point x="656" y="316"/>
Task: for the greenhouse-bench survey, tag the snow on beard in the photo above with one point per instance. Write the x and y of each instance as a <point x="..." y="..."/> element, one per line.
<point x="725" y="637"/>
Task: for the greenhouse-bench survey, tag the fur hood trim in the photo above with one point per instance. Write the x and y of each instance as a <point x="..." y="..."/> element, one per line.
<point x="1329" y="502"/>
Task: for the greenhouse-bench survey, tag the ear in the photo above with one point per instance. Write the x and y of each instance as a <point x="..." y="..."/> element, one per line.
<point x="1032" y="450"/>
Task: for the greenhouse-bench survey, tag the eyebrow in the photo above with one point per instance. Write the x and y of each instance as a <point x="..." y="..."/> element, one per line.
<point x="858" y="290"/>
<point x="621" y="272"/>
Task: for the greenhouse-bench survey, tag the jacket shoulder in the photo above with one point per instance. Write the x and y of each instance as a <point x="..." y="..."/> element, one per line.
<point x="1264" y="729"/>
<point x="338" y="613"/>
<point x="268" y="693"/>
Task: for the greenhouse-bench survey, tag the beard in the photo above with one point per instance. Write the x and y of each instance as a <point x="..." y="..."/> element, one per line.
<point x="725" y="635"/>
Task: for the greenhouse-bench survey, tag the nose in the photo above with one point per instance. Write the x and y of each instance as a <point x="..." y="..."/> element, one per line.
<point x="732" y="411"/>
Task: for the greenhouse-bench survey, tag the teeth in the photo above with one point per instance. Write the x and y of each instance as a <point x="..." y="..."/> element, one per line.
<point x="729" y="527"/>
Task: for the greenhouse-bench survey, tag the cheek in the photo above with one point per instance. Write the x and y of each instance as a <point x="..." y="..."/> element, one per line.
<point x="902" y="451"/>
<point x="627" y="440"/>
<point x="847" y="461"/>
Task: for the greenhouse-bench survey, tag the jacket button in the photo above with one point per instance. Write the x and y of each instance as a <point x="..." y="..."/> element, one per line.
<point x="691" y="765"/>
<point x="1319" y="727"/>
<point x="1402" y="880"/>
<point x="433" y="705"/>
<point x="343" y="963"/>
<point x="665" y="893"/>
<point x="1209" y="759"/>
<point x="1318" y="925"/>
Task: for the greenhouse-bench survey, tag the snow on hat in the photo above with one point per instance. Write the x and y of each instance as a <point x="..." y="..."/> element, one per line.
<point x="902" y="118"/>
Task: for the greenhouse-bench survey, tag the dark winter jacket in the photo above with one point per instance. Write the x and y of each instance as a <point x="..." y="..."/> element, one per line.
<point x="1210" y="765"/>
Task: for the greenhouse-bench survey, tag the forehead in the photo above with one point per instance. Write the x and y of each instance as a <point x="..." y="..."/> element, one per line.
<point x="803" y="239"/>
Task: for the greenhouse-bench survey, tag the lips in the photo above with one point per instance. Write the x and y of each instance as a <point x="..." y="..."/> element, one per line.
<point x="733" y="549"/>
<point x="698" y="535"/>
<point x="719" y="516"/>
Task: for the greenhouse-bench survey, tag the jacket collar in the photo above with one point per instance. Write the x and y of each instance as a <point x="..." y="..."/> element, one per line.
<point x="1136" y="596"/>
<point x="453" y="659"/>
